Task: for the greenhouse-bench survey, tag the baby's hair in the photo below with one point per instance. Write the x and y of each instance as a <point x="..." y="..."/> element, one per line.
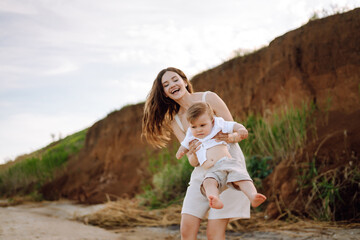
<point x="198" y="109"/>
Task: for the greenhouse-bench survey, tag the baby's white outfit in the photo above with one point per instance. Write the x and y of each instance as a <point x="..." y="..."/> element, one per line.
<point x="226" y="170"/>
<point x="197" y="205"/>
<point x="208" y="142"/>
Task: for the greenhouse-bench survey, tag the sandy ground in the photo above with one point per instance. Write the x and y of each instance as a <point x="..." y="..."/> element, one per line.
<point x="54" y="220"/>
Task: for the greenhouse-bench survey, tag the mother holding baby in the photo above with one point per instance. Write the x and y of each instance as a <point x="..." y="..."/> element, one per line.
<point x="164" y="113"/>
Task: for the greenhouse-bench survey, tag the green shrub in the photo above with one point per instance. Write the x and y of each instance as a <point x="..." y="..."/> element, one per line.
<point x="169" y="182"/>
<point x="279" y="137"/>
<point x="258" y="168"/>
<point x="329" y="195"/>
<point x="28" y="175"/>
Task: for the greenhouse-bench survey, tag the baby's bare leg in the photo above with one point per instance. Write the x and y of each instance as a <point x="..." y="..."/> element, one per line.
<point x="248" y="188"/>
<point x="212" y="193"/>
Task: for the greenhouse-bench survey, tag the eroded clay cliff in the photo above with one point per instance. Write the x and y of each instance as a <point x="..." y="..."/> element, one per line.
<point x="318" y="61"/>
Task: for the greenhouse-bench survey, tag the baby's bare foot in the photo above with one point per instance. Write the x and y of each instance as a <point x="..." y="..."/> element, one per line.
<point x="215" y="202"/>
<point x="258" y="199"/>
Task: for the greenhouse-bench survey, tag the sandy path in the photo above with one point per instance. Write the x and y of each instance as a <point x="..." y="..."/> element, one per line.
<point x="53" y="221"/>
<point x="24" y="223"/>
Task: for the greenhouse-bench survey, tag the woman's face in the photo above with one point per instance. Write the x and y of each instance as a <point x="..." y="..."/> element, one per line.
<point x="174" y="86"/>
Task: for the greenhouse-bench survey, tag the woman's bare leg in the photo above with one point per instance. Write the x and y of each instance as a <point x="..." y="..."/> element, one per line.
<point x="189" y="226"/>
<point x="248" y="188"/>
<point x="216" y="229"/>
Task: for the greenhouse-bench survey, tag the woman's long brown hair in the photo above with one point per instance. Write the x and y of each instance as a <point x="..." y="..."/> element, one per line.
<point x="159" y="110"/>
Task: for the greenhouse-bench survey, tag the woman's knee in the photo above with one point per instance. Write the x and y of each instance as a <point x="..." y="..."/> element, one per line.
<point x="215" y="234"/>
<point x="216" y="229"/>
<point x="189" y="226"/>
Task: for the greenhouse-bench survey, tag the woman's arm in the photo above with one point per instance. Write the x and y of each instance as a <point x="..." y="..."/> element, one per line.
<point x="221" y="110"/>
<point x="219" y="106"/>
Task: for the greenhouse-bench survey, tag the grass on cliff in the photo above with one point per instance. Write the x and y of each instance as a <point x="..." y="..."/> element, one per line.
<point x="270" y="140"/>
<point x="170" y="179"/>
<point x="279" y="136"/>
<point x="26" y="176"/>
<point x="331" y="194"/>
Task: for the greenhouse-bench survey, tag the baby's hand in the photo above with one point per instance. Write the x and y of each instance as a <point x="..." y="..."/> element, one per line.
<point x="243" y="134"/>
<point x="180" y="154"/>
<point x="232" y="137"/>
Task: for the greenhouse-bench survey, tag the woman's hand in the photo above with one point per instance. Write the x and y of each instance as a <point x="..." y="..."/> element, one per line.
<point x="237" y="136"/>
<point x="194" y="146"/>
<point x="220" y="136"/>
<point x="231" y="137"/>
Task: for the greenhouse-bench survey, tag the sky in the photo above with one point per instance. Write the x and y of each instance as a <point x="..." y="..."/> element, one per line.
<point x="66" y="64"/>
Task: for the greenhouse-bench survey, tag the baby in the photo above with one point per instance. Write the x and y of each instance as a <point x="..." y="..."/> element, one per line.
<point x="214" y="156"/>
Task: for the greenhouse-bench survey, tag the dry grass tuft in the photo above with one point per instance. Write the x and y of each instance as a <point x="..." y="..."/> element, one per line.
<point x="125" y="213"/>
<point x="128" y="213"/>
<point x="259" y="223"/>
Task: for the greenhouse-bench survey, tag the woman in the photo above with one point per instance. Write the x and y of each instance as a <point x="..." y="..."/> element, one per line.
<point x="170" y="96"/>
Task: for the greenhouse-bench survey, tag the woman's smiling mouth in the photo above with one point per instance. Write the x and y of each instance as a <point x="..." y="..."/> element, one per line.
<point x="175" y="90"/>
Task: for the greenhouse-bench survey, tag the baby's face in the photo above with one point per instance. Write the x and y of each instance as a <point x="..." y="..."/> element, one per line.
<point x="201" y="127"/>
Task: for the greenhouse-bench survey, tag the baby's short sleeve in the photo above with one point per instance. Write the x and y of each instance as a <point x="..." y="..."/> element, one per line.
<point x="226" y="126"/>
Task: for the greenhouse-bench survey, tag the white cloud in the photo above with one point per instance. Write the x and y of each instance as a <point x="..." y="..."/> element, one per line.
<point x="64" y="68"/>
<point x="10" y="6"/>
